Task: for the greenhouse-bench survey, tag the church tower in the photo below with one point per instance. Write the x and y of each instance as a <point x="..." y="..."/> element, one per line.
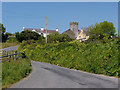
<point x="74" y="28"/>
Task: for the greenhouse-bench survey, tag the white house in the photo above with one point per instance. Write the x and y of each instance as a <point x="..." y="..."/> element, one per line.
<point x="41" y="31"/>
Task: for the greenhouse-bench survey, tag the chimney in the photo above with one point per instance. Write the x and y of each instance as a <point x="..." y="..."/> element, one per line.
<point x="57" y="29"/>
<point x="42" y="29"/>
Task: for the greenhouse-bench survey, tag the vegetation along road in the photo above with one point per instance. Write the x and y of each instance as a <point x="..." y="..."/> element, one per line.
<point x="45" y="75"/>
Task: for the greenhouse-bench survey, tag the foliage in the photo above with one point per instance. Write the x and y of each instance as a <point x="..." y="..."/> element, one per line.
<point x="12" y="41"/>
<point x="56" y="37"/>
<point x="2" y="28"/>
<point x="27" y="35"/>
<point x="3" y="36"/>
<point x="5" y="45"/>
<point x="8" y="34"/>
<point x="94" y="57"/>
<point x="99" y="31"/>
<point x="14" y="71"/>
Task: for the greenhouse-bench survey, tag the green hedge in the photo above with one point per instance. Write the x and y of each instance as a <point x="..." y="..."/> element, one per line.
<point x="94" y="57"/>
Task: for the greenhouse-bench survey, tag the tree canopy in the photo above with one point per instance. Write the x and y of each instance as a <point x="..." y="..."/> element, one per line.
<point x="3" y="36"/>
<point x="101" y="30"/>
<point x="2" y="28"/>
<point x="56" y="37"/>
<point x="27" y="35"/>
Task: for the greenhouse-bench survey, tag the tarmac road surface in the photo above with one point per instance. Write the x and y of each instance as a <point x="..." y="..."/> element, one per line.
<point x="45" y="75"/>
<point x="10" y="48"/>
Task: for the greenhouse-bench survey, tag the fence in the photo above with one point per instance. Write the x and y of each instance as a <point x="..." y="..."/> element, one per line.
<point x="10" y="55"/>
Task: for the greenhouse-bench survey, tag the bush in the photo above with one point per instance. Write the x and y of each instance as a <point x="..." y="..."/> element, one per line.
<point x="94" y="57"/>
<point x="4" y="37"/>
<point x="56" y="37"/>
<point x="27" y="35"/>
<point x="12" y="40"/>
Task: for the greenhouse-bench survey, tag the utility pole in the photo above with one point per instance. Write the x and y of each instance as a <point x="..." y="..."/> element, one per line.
<point x="46" y="29"/>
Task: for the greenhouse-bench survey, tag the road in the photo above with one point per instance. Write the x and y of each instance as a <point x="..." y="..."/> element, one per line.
<point x="10" y="48"/>
<point x="45" y="75"/>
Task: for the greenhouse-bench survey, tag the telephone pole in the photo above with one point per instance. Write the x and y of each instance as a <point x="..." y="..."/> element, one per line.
<point x="46" y="29"/>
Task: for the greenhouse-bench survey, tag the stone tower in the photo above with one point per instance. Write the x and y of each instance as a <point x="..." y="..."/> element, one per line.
<point x="74" y="28"/>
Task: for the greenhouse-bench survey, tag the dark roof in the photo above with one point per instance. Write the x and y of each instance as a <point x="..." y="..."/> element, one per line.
<point x="39" y="30"/>
<point x="49" y="31"/>
<point x="85" y="32"/>
<point x="30" y="29"/>
<point x="69" y="33"/>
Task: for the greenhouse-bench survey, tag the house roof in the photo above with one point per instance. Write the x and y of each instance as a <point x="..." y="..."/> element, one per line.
<point x="49" y="31"/>
<point x="39" y="30"/>
<point x="30" y="29"/>
<point x="85" y="32"/>
<point x="69" y="33"/>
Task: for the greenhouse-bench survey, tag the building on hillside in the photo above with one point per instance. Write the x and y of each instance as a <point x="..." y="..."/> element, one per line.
<point x="73" y="31"/>
<point x="82" y="35"/>
<point x="41" y="31"/>
<point x="77" y="34"/>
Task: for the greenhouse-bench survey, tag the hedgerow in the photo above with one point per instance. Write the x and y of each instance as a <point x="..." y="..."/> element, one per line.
<point x="94" y="57"/>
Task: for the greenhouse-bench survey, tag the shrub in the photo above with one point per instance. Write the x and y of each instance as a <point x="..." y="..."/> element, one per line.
<point x="94" y="57"/>
<point x="27" y="35"/>
<point x="56" y="37"/>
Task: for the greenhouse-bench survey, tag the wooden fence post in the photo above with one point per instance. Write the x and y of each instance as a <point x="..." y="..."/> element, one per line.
<point x="14" y="56"/>
<point x="9" y="57"/>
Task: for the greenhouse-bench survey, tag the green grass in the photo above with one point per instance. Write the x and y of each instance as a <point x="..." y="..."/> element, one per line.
<point x="0" y="76"/>
<point x="12" y="41"/>
<point x="93" y="57"/>
<point x="14" y="71"/>
<point x="5" y="45"/>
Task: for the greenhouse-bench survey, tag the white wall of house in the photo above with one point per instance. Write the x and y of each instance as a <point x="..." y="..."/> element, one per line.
<point x="23" y="28"/>
<point x="44" y="34"/>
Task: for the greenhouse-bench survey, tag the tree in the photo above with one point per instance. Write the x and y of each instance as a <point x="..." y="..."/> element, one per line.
<point x="27" y="35"/>
<point x="8" y="34"/>
<point x="2" y="28"/>
<point x="99" y="31"/>
<point x="56" y="37"/>
<point x="3" y="36"/>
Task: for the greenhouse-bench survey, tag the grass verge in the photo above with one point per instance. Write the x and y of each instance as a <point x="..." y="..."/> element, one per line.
<point x="14" y="71"/>
<point x="5" y="45"/>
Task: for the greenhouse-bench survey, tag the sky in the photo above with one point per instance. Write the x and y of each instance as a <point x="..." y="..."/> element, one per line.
<point x="16" y="15"/>
<point x="60" y="0"/>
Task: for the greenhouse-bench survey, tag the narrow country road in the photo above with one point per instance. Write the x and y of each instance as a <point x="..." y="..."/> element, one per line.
<point x="51" y="76"/>
<point x="10" y="48"/>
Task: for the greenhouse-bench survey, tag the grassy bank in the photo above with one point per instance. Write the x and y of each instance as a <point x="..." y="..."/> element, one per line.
<point x="5" y="45"/>
<point x="12" y="41"/>
<point x="94" y="57"/>
<point x="14" y="71"/>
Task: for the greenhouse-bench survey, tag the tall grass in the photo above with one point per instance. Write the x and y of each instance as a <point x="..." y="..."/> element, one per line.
<point x="12" y="41"/>
<point x="15" y="71"/>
